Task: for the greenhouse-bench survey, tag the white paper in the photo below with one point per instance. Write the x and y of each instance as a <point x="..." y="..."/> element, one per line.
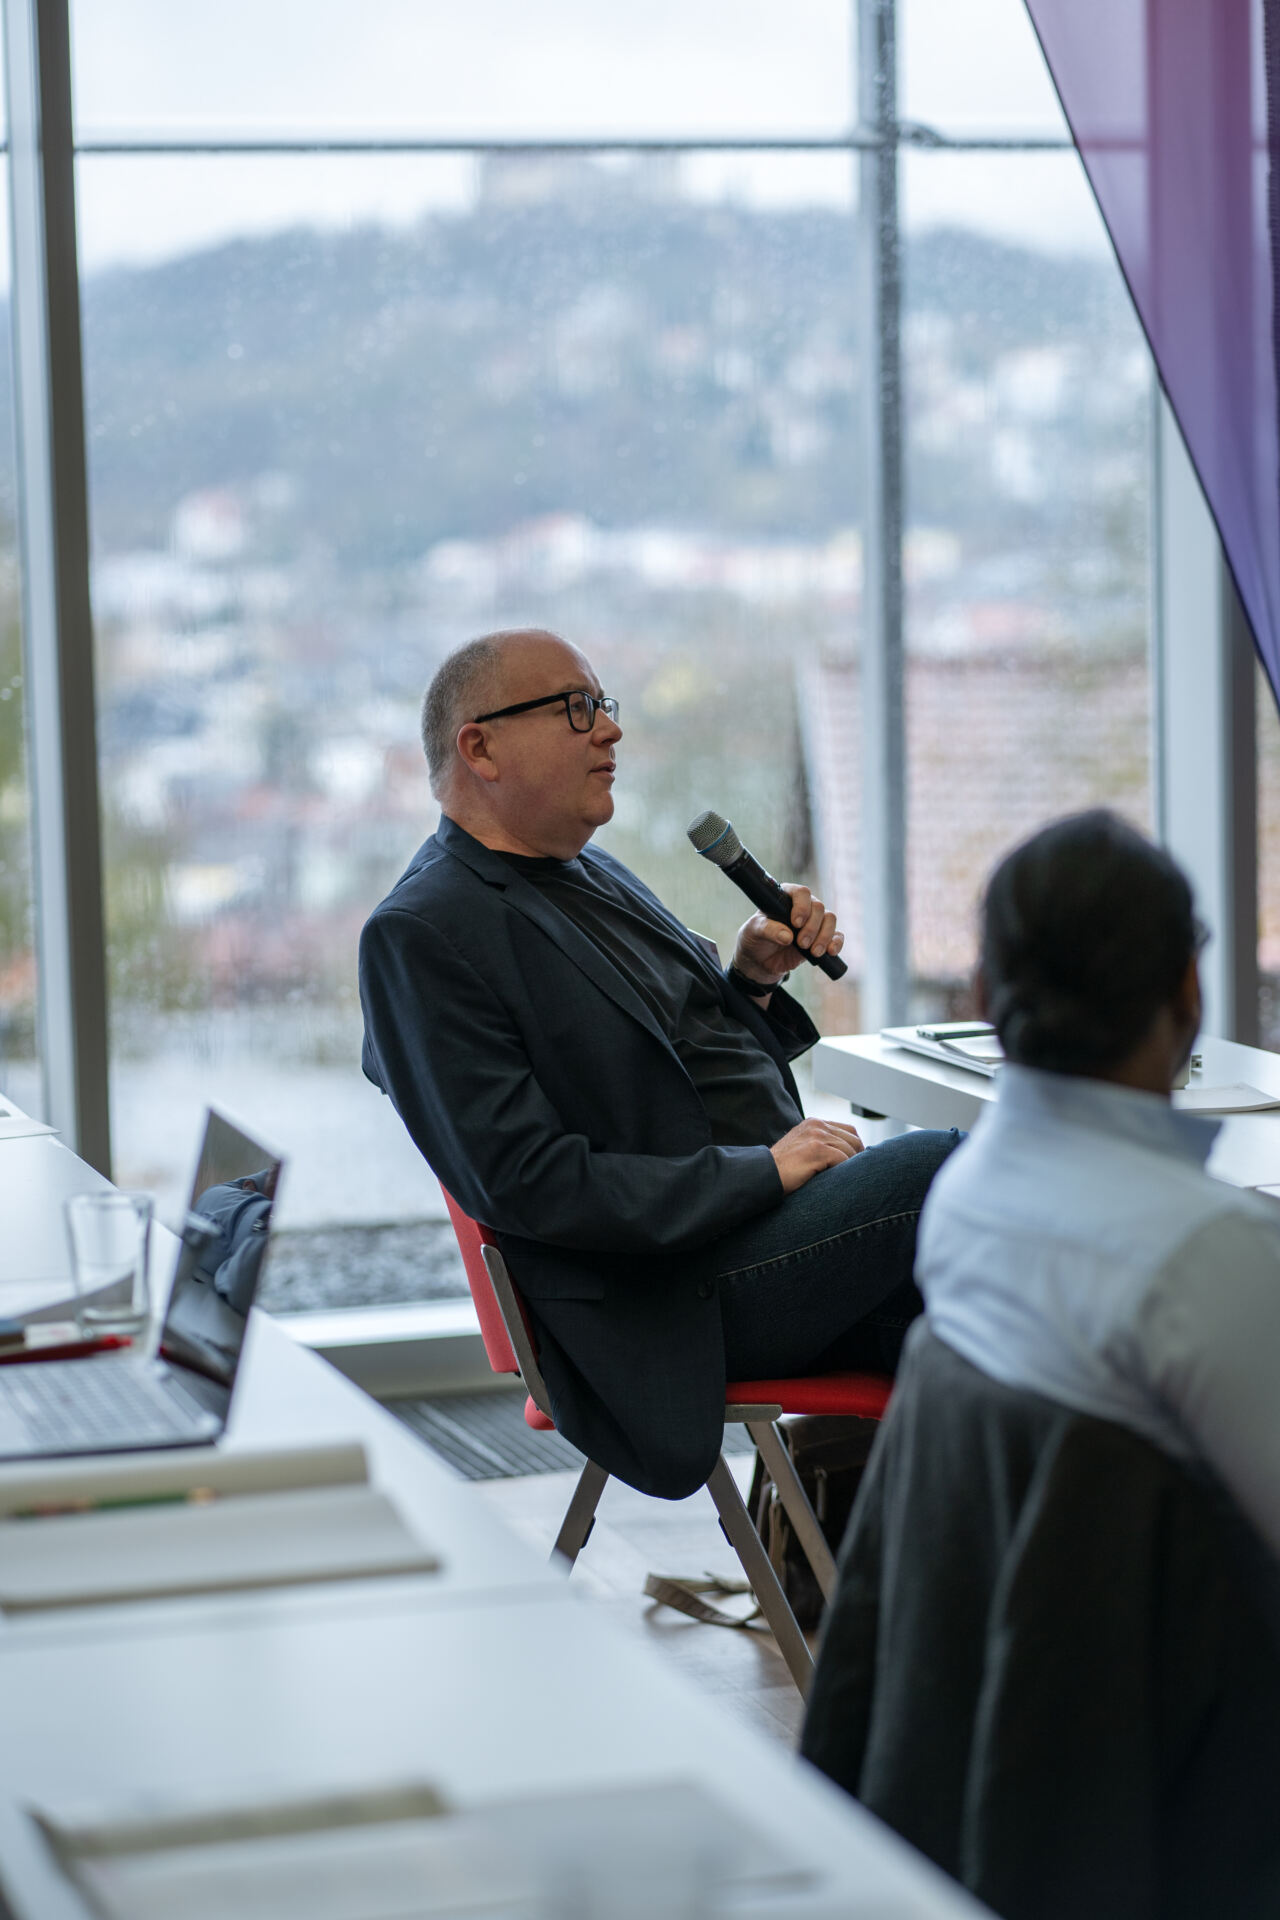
<point x="89" y="1482"/>
<point x="248" y="1540"/>
<point x="980" y="1055"/>
<point x="1234" y="1099"/>
<point x="584" y="1852"/>
<point x="17" y="1126"/>
<point x="38" y="1301"/>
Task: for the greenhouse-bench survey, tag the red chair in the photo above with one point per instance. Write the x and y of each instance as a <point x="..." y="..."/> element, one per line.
<point x="758" y="1404"/>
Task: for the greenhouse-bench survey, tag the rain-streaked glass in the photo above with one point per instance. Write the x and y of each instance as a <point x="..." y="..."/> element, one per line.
<point x="494" y="69"/>
<point x="973" y="68"/>
<point x="1028" y="392"/>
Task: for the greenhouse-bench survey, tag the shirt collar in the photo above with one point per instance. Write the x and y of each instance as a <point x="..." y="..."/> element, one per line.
<point x="1124" y="1113"/>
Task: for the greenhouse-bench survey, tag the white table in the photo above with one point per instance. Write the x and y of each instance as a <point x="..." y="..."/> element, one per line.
<point x="491" y="1679"/>
<point x="875" y="1074"/>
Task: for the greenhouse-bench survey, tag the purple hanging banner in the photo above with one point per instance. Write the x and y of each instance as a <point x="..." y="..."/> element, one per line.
<point x="1175" y="108"/>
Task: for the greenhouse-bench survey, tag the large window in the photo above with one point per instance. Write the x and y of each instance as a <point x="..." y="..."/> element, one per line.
<point x="450" y="319"/>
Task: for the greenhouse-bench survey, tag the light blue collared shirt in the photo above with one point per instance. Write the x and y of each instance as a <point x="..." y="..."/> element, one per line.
<point x="1074" y="1245"/>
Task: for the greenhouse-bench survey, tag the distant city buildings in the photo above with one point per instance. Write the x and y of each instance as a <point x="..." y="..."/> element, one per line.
<point x="592" y="404"/>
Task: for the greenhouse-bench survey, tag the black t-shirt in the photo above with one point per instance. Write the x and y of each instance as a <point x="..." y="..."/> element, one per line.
<point x="738" y="1080"/>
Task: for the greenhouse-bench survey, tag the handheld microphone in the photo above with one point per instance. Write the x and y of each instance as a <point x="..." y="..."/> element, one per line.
<point x="714" y="838"/>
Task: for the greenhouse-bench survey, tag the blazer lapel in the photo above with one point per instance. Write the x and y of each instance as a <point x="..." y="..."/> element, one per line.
<point x="702" y="954"/>
<point x="575" y="946"/>
<point x="568" y="939"/>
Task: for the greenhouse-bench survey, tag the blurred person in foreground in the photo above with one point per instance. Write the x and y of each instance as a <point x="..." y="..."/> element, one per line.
<point x="588" y="1081"/>
<point x="1076" y="1246"/>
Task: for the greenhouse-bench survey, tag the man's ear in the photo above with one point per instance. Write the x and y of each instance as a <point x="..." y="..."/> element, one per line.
<point x="1188" y="1000"/>
<point x="980" y="999"/>
<point x="473" y="751"/>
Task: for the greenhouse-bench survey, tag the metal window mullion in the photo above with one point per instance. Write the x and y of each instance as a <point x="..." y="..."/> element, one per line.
<point x="883" y="839"/>
<point x="1205" y="771"/>
<point x="857" y="139"/>
<point x="54" y="536"/>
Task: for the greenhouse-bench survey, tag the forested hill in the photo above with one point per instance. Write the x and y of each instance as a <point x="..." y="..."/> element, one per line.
<point x="641" y="362"/>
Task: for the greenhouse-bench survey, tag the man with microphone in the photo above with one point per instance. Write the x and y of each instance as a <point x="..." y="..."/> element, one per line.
<point x="586" y="1080"/>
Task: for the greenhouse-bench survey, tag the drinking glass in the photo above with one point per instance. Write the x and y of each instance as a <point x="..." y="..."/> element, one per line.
<point x="110" y="1235"/>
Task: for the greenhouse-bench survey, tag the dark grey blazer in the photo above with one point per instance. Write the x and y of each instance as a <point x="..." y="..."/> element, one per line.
<point x="1051" y="1660"/>
<point x="546" y="1097"/>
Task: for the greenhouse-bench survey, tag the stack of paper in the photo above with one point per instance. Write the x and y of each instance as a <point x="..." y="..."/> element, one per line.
<point x="200" y="1521"/>
<point x="16" y="1125"/>
<point x="384" y="1855"/>
<point x="981" y="1053"/>
<point x="1233" y="1099"/>
<point x="127" y="1478"/>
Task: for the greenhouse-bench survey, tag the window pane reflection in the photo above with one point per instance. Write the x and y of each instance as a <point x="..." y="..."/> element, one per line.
<point x="1027" y="394"/>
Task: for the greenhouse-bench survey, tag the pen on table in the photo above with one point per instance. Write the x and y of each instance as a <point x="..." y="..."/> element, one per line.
<point x="64" y="1349"/>
<point x="183" y="1497"/>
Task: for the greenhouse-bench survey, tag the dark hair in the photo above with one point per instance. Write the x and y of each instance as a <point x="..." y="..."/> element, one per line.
<point x="1087" y="928"/>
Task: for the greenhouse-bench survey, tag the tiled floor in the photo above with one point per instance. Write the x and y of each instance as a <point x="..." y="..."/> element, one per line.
<point x="634" y="1536"/>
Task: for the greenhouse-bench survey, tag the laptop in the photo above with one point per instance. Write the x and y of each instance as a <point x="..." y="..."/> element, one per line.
<point x="181" y="1396"/>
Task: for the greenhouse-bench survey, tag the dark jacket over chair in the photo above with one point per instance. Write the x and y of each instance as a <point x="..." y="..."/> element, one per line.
<point x="549" y="1101"/>
<point x="1050" y="1662"/>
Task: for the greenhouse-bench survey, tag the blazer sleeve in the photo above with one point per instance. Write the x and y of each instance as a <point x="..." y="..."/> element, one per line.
<point x="791" y="1026"/>
<point x="785" y="1020"/>
<point x="442" y="1043"/>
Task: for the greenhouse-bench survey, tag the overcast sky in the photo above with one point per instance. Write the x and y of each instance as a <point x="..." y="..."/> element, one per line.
<point x="530" y="68"/>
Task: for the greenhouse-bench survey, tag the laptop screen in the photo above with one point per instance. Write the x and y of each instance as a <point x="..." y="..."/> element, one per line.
<point x="224" y="1246"/>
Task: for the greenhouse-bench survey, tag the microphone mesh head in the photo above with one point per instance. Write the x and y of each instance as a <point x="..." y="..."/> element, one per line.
<point x="715" y="839"/>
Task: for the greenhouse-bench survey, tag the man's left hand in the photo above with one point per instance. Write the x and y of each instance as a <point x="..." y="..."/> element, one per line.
<point x="766" y="951"/>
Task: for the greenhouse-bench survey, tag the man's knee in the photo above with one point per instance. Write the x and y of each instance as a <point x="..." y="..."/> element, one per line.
<point x="918" y="1155"/>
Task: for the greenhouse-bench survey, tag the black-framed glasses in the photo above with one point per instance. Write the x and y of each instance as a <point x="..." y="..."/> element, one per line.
<point x="581" y="708"/>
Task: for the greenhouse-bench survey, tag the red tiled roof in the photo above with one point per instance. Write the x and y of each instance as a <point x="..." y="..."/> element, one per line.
<point x="996" y="746"/>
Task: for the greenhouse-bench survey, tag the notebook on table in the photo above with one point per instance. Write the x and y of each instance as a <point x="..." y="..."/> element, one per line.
<point x="960" y="1043"/>
<point x="386" y="1853"/>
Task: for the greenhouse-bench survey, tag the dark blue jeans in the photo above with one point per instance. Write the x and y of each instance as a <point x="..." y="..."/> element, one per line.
<point x="823" y="1282"/>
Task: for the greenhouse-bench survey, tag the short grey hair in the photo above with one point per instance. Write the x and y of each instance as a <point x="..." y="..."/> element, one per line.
<point x="467" y="680"/>
<point x="459" y="685"/>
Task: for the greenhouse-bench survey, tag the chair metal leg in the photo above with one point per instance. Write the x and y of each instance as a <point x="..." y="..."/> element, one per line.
<point x="795" y="1503"/>
<point x="748" y="1546"/>
<point x="581" y="1516"/>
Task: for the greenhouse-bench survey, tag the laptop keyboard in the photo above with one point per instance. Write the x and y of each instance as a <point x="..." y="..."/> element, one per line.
<point x="76" y="1403"/>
